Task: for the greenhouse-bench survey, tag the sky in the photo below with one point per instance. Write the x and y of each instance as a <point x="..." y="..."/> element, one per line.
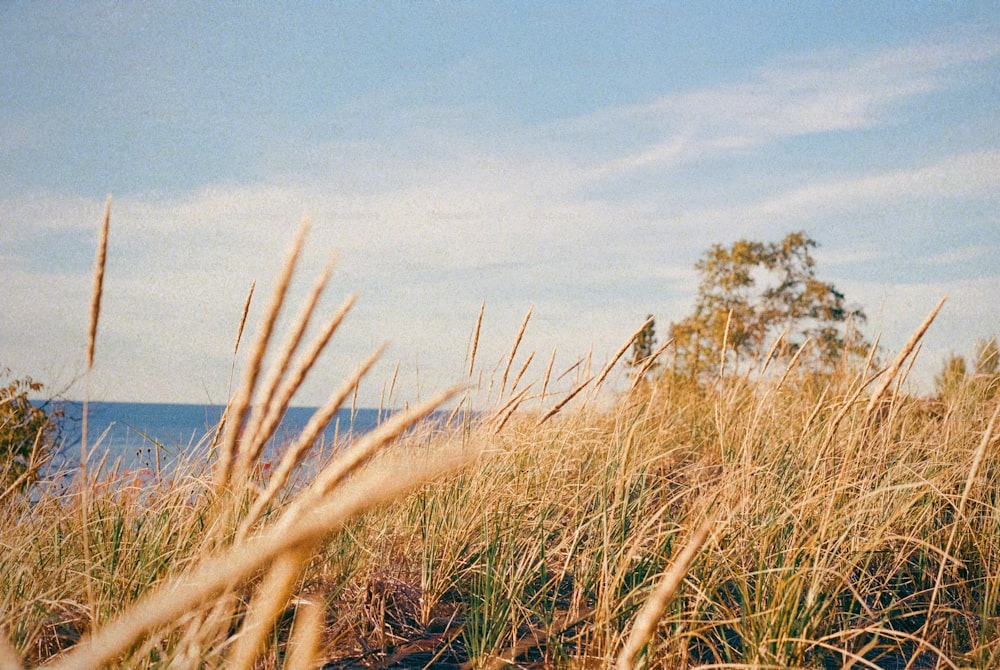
<point x="571" y="158"/>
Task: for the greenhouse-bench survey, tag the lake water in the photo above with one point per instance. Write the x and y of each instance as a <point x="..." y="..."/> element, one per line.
<point x="152" y="435"/>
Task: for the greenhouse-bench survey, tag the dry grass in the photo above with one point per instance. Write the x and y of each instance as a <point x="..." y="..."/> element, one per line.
<point x="791" y="519"/>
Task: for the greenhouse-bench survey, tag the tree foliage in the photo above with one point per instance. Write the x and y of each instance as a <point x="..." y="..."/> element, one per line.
<point x="644" y="344"/>
<point x="982" y="378"/>
<point x="752" y="293"/>
<point x="27" y="432"/>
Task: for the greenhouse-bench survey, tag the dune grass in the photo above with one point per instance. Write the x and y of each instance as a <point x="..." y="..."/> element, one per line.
<point x="787" y="519"/>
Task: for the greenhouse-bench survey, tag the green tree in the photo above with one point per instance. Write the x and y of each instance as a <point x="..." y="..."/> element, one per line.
<point x="752" y="293"/>
<point x="27" y="433"/>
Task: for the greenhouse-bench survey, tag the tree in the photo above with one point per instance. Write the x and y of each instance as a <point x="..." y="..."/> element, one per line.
<point x="952" y="376"/>
<point x="983" y="381"/>
<point x="644" y="344"/>
<point x="752" y="293"/>
<point x="27" y="433"/>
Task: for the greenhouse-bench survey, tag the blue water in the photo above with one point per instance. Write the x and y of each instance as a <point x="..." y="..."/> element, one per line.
<point x="154" y="435"/>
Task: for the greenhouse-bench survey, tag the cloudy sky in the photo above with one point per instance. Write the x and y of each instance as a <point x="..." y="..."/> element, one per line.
<point x="574" y="158"/>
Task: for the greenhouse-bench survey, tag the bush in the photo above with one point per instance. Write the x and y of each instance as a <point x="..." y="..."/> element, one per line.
<point x="27" y="432"/>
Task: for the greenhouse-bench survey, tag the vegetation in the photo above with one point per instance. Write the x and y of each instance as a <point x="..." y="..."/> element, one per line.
<point x="644" y="354"/>
<point x="756" y="299"/>
<point x="27" y="433"/>
<point x="753" y="521"/>
<point x="984" y="375"/>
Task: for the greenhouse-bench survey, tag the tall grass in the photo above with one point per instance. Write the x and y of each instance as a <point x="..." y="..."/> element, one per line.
<point x="785" y="519"/>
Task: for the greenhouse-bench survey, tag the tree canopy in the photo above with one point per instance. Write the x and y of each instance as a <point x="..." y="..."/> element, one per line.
<point x="753" y="293"/>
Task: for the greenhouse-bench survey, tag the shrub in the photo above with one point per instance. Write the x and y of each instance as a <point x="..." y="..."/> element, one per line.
<point x="27" y="432"/>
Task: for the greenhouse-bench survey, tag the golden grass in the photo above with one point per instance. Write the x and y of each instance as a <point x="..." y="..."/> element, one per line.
<point x="780" y="519"/>
<point x="98" y="290"/>
<point x="648" y="617"/>
<point x="238" y="408"/>
<point x="904" y="353"/>
<point x="513" y="351"/>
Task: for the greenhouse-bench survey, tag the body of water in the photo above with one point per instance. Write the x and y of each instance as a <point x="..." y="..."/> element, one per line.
<point x="153" y="435"/>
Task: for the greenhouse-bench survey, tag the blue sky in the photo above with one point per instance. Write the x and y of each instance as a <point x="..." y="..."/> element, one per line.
<point x="573" y="157"/>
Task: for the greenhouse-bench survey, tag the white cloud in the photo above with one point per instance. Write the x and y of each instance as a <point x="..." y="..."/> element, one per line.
<point x="975" y="174"/>
<point x="971" y="254"/>
<point x="819" y="93"/>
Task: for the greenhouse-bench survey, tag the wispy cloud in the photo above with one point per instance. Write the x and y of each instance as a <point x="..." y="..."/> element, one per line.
<point x="974" y="174"/>
<point x="978" y="255"/>
<point x="817" y="93"/>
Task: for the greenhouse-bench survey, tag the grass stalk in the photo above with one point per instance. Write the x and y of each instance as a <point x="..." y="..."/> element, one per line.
<point x="513" y="351"/>
<point x="294" y="453"/>
<point x="303" y="645"/>
<point x="98" y="290"/>
<point x="266" y="414"/>
<point x="650" y="614"/>
<point x="475" y="339"/>
<point x="901" y="357"/>
<point x="8" y="657"/>
<point x="269" y="599"/>
<point x="606" y="370"/>
<point x="239" y="407"/>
